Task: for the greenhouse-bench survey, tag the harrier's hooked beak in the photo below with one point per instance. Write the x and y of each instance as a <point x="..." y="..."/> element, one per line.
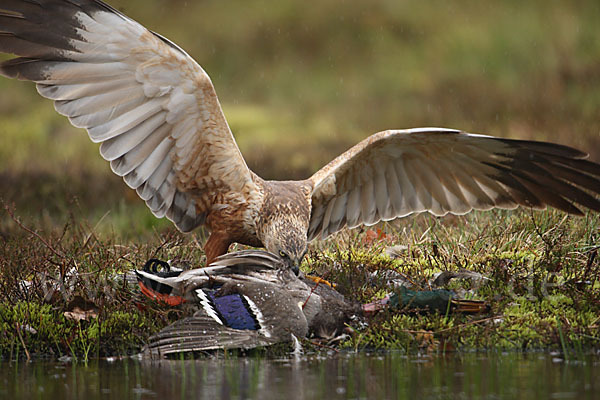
<point x="293" y="263"/>
<point x="295" y="266"/>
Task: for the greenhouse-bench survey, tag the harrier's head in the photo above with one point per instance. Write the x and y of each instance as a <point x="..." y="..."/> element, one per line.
<point x="284" y="221"/>
<point x="289" y="242"/>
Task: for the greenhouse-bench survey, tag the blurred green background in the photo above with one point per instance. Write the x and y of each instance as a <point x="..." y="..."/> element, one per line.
<point x="300" y="82"/>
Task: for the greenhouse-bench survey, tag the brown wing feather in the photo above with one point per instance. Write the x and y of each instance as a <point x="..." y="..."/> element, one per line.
<point x="446" y="171"/>
<point x="151" y="106"/>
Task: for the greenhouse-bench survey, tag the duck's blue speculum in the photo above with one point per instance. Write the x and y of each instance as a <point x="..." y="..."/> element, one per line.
<point x="231" y="310"/>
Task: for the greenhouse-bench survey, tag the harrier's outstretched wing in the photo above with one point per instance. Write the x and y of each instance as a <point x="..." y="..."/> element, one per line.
<point x="151" y="105"/>
<point x="396" y="173"/>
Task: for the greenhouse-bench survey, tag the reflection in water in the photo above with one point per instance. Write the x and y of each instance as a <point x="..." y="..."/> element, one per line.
<point x="345" y="375"/>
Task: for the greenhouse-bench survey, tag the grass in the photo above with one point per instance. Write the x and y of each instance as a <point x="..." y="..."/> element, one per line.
<point x="319" y="79"/>
<point x="542" y="285"/>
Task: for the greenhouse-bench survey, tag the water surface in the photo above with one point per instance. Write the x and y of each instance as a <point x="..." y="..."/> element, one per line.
<point x="335" y="376"/>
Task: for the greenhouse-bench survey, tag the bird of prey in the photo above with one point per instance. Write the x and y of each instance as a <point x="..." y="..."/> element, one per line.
<point x="156" y="114"/>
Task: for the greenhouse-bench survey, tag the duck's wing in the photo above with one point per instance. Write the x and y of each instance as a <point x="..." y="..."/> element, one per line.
<point x="200" y="333"/>
<point x="392" y="174"/>
<point x="254" y="314"/>
<point x="152" y="107"/>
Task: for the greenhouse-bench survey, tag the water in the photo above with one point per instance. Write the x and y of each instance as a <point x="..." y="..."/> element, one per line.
<point x="341" y="376"/>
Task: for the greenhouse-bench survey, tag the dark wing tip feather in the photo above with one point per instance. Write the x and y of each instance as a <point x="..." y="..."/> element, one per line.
<point x="549" y="174"/>
<point x="36" y="31"/>
<point x="44" y="29"/>
<point x="546" y="148"/>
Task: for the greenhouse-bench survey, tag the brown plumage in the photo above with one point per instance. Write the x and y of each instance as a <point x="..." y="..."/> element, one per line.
<point x="155" y="111"/>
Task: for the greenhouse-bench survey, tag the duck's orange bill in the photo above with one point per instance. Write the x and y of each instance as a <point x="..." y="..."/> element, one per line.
<point x="161" y="298"/>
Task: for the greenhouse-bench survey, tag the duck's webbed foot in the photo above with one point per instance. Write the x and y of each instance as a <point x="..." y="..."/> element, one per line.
<point x="320" y="281"/>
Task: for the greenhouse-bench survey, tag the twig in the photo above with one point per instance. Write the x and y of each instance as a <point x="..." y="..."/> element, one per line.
<point x="14" y="218"/>
<point x="590" y="262"/>
<point x="314" y="343"/>
<point x="311" y="292"/>
<point x="23" y="342"/>
<point x="163" y="243"/>
<point x="92" y="233"/>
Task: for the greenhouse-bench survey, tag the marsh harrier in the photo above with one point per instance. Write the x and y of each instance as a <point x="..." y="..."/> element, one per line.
<point x="156" y="114"/>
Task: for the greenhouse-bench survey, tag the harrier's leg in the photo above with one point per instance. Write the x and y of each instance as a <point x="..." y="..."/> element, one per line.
<point x="216" y="245"/>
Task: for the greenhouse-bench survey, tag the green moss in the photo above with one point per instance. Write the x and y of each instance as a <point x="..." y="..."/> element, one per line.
<point x="46" y="332"/>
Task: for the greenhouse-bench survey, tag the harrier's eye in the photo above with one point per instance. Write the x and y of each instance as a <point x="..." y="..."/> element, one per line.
<point x="282" y="254"/>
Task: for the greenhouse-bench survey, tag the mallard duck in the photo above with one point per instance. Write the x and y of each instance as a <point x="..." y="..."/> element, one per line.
<point x="244" y="299"/>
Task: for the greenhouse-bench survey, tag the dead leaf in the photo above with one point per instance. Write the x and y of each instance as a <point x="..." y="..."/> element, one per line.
<point x="80" y="309"/>
<point x="78" y="314"/>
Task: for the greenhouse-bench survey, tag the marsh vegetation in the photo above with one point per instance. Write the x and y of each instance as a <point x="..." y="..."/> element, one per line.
<point x="299" y="85"/>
